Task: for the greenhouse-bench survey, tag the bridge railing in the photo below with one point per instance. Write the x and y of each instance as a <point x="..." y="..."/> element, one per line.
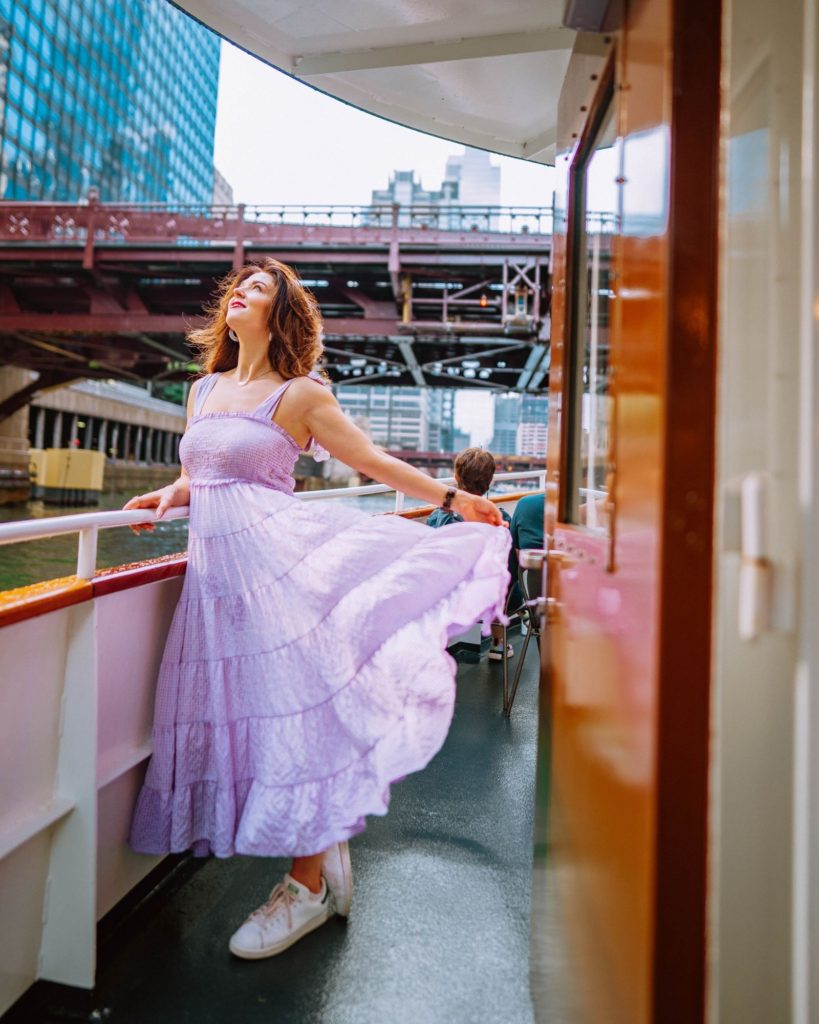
<point x="99" y="223"/>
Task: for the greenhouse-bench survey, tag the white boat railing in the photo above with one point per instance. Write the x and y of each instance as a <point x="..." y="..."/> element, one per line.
<point x="88" y="524"/>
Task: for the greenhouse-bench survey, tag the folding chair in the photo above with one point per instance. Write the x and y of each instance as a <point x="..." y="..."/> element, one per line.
<point x="526" y="579"/>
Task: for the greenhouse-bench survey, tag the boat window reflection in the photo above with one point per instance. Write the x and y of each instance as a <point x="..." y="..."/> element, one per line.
<point x="589" y="464"/>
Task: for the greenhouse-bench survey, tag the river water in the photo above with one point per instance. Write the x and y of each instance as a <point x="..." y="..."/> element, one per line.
<point x="37" y="560"/>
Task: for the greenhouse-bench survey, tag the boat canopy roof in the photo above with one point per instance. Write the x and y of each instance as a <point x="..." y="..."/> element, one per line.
<point x="485" y="73"/>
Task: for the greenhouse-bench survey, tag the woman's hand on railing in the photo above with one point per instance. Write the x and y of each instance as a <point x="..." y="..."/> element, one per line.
<point x="476" y="509"/>
<point x="175" y="494"/>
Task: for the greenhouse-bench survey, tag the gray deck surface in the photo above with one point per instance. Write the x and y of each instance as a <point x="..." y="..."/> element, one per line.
<point x="439" y="930"/>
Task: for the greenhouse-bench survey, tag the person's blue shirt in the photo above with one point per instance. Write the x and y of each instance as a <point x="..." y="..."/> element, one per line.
<point x="441" y="518"/>
<point x="527" y="522"/>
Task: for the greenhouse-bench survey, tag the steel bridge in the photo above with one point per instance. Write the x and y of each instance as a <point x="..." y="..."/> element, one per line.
<point x="428" y="296"/>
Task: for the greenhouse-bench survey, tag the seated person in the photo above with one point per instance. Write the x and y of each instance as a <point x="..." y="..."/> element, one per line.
<point x="527" y="522"/>
<point x="527" y="525"/>
<point x="474" y="469"/>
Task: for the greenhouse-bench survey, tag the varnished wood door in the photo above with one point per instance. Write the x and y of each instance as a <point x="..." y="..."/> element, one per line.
<point x="629" y="520"/>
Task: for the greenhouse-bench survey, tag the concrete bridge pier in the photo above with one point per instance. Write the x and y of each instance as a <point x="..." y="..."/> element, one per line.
<point x="15" y="485"/>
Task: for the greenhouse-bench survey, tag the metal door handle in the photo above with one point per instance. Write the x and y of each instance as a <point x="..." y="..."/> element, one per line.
<point x="532" y="558"/>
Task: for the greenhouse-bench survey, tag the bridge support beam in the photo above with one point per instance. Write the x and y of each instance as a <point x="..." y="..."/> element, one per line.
<point x="39" y="429"/>
<point x="15" y="397"/>
<point x="14" y="479"/>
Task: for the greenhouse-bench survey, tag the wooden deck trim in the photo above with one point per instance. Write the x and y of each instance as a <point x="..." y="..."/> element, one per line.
<point x="137" y="574"/>
<point x="51" y="595"/>
<point x="38" y="598"/>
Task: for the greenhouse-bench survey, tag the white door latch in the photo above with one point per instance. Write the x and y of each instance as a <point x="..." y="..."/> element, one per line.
<point x="755" y="576"/>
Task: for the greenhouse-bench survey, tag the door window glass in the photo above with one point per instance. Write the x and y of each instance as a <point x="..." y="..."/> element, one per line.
<point x="590" y="467"/>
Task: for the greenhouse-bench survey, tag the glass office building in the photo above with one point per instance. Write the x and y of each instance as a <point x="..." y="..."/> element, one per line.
<point x="420" y="419"/>
<point x="115" y="94"/>
<point x="507" y="419"/>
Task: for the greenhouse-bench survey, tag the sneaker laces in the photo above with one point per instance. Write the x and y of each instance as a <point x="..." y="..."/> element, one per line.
<point x="282" y="897"/>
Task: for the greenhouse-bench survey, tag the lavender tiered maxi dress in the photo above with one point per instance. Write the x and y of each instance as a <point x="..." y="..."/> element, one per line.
<point x="305" y="668"/>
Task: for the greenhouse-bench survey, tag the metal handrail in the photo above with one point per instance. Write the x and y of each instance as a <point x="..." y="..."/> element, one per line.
<point x="88" y="524"/>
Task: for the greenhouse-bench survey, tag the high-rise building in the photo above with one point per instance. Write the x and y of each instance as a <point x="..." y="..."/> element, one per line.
<point x="507" y="419"/>
<point x="477" y="178"/>
<point x="461" y="440"/>
<point x="533" y="425"/>
<point x="521" y="423"/>
<point x="222" y="190"/>
<point x="404" y="189"/>
<point x="441" y="415"/>
<point x="471" y="179"/>
<point x="118" y="95"/>
<point x="476" y="182"/>
<point x="416" y="419"/>
<point x="396" y="417"/>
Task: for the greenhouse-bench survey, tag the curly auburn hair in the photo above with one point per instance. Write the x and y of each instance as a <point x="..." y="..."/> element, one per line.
<point x="474" y="469"/>
<point x="295" y="324"/>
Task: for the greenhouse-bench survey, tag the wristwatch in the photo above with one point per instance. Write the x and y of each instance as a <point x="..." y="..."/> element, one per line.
<point x="449" y="497"/>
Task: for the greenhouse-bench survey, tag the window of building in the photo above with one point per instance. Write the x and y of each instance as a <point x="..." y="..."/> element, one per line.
<point x="15" y="87"/>
<point x="12" y="123"/>
<point x="26" y="133"/>
<point x="29" y="102"/>
<point x="35" y="36"/>
<point x="18" y="58"/>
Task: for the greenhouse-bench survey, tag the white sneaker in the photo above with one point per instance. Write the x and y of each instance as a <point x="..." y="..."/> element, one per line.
<point x="338" y="873"/>
<point x="496" y="653"/>
<point x="290" y="912"/>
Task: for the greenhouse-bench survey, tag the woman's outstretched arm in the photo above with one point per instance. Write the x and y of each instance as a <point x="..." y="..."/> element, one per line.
<point x="334" y="431"/>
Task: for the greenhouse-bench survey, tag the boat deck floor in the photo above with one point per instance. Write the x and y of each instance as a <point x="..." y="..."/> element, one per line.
<point x="439" y="930"/>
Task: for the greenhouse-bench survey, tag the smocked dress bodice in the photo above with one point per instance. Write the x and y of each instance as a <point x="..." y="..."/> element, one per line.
<point x="248" y="447"/>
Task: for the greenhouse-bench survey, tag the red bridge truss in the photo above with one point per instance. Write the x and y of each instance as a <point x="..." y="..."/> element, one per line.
<point x="416" y="296"/>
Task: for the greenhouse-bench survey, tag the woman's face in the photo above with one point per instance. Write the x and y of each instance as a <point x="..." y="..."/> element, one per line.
<point x="250" y="301"/>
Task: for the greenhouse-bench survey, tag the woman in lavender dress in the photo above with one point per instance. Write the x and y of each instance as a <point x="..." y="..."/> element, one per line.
<point x="305" y="667"/>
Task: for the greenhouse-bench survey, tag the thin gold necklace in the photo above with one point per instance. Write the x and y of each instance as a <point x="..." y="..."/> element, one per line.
<point x="243" y="383"/>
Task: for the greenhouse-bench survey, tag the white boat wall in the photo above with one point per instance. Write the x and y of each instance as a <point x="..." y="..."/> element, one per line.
<point x="76" y="707"/>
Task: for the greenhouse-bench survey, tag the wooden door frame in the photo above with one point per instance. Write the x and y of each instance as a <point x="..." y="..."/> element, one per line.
<point x="684" y="693"/>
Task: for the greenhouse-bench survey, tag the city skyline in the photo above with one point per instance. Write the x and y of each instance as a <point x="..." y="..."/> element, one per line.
<point x="425" y="419"/>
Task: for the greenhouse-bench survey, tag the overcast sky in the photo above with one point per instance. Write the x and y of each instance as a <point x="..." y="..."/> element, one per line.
<point x="279" y="141"/>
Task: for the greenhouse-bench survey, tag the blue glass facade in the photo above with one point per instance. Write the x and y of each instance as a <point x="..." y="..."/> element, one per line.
<point x="116" y="94"/>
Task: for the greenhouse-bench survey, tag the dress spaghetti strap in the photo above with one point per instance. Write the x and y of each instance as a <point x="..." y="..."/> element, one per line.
<point x="204" y="386"/>
<point x="271" y="403"/>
